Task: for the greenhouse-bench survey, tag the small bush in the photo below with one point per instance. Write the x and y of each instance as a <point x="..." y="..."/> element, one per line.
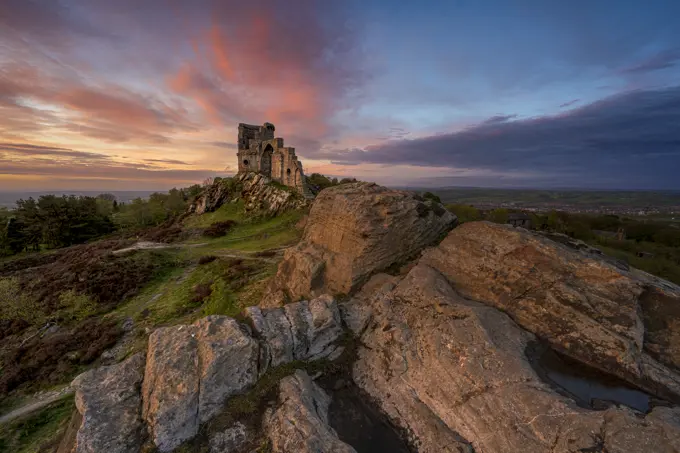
<point x="206" y="259"/>
<point x="219" y="229"/>
<point x="201" y="292"/>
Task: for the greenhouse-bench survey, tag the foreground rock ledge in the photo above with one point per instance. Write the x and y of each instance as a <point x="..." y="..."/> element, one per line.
<point x="453" y="373"/>
<point x="300" y="423"/>
<point x="584" y="306"/>
<point x="353" y="231"/>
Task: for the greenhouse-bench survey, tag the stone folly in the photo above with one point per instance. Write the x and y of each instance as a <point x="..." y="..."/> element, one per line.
<point x="260" y="152"/>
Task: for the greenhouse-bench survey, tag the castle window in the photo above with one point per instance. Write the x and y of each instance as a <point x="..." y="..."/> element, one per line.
<point x="288" y="171"/>
<point x="245" y="161"/>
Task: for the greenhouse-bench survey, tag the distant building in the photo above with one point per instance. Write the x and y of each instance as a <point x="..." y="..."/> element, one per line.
<point x="519" y="219"/>
<point x="259" y="151"/>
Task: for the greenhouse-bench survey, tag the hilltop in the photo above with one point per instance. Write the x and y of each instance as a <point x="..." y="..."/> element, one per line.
<point x="371" y="319"/>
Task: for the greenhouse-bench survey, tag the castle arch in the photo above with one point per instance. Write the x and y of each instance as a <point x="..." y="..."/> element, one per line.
<point x="266" y="162"/>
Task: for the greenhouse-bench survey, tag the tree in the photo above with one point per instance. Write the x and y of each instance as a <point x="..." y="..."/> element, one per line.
<point x="431" y="196"/>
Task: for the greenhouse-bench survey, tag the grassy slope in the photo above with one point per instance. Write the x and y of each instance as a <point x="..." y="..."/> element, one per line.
<point x="170" y="297"/>
<point x="31" y="433"/>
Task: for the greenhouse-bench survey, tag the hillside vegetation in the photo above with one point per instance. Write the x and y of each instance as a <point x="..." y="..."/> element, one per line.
<point x="85" y="279"/>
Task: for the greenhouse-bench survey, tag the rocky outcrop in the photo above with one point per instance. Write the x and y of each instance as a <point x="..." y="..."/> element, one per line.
<point x="258" y="193"/>
<point x="299" y="331"/>
<point x="453" y="373"/>
<point x="300" y="423"/>
<point x="353" y="231"/>
<point x="585" y="307"/>
<point x="190" y="372"/>
<point x="108" y="400"/>
<point x="231" y="440"/>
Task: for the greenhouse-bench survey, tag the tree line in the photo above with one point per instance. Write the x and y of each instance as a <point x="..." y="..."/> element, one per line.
<point x="53" y="221"/>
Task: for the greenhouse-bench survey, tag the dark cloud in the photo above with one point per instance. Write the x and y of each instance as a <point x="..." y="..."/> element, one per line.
<point x="166" y="161"/>
<point x="569" y="103"/>
<point x="499" y="119"/>
<point x="629" y="140"/>
<point x="663" y="60"/>
<point x="37" y="150"/>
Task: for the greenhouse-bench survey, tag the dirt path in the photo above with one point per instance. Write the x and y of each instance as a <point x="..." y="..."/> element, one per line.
<point x="35" y="403"/>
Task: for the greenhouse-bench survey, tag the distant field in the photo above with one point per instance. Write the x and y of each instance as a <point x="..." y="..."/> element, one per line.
<point x="557" y="199"/>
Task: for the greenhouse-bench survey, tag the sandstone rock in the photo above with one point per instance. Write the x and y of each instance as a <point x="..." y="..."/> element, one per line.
<point x="298" y="331"/>
<point x="171" y="386"/>
<point x="108" y="398"/>
<point x="228" y="362"/>
<point x="453" y="373"/>
<point x="261" y="195"/>
<point x="230" y="440"/>
<point x="191" y="371"/>
<point x="257" y="192"/>
<point x="586" y="307"/>
<point x="353" y="231"/>
<point x="300" y="424"/>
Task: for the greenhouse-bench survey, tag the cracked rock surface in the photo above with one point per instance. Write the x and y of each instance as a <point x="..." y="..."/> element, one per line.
<point x="108" y="400"/>
<point x="190" y="372"/>
<point x="453" y="373"/>
<point x="584" y="306"/>
<point x="300" y="423"/>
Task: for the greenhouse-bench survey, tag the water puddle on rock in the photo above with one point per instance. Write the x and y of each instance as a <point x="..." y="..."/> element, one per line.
<point x="589" y="387"/>
<point x="358" y="422"/>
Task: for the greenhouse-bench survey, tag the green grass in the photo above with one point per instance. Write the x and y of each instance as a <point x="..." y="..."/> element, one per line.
<point x="29" y="433"/>
<point x="255" y="235"/>
<point x="229" y="211"/>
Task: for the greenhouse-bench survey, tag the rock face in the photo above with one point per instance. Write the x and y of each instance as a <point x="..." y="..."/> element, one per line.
<point x="454" y="374"/>
<point x="257" y="192"/>
<point x="108" y="398"/>
<point x="299" y="331"/>
<point x="585" y="307"/>
<point x="300" y="424"/>
<point x="353" y="231"/>
<point x="190" y="372"/>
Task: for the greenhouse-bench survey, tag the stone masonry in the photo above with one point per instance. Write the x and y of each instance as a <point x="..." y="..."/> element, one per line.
<point x="259" y="151"/>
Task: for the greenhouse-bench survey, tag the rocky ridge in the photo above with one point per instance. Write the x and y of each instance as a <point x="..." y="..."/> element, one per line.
<point x="258" y="193"/>
<point x="353" y="231"/>
<point x="445" y="345"/>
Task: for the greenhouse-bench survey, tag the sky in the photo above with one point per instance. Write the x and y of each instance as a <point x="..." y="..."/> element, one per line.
<point x="147" y="95"/>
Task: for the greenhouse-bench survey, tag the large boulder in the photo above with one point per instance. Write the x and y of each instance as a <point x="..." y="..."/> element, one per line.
<point x="353" y="231"/>
<point x="585" y="306"/>
<point x="108" y="399"/>
<point x="300" y="423"/>
<point x="454" y="375"/>
<point x="191" y="371"/>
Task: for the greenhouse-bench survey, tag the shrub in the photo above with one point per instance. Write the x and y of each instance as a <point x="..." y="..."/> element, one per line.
<point x="201" y="292"/>
<point x="206" y="259"/>
<point x="219" y="229"/>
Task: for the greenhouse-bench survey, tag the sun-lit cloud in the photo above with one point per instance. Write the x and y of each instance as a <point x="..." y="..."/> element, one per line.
<point x="135" y="94"/>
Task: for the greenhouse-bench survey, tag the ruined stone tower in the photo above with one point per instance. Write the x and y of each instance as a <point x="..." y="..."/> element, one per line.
<point x="259" y="151"/>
